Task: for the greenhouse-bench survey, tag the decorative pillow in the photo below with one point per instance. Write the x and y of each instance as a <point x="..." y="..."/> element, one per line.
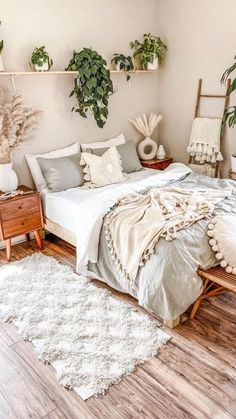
<point x="222" y="230"/>
<point x="119" y="139"/>
<point x="62" y="173"/>
<point x="36" y="173"/>
<point x="128" y="153"/>
<point x="104" y="170"/>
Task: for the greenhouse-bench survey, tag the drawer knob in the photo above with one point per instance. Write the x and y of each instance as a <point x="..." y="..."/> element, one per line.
<point x="20" y="207"/>
<point x="22" y="224"/>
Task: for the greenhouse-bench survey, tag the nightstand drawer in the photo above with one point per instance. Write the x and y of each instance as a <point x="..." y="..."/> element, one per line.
<point x="21" y="225"/>
<point x="19" y="207"/>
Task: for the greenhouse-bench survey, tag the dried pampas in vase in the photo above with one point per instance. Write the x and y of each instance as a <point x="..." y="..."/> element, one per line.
<point x="17" y="123"/>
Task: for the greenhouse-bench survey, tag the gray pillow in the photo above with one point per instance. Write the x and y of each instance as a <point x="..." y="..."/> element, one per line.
<point x="128" y="153"/>
<point x="62" y="173"/>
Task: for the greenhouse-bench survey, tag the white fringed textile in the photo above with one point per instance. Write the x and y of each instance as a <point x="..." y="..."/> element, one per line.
<point x="134" y="227"/>
<point x="204" y="142"/>
<point x="203" y="169"/>
<point x="222" y="233"/>
<point x="91" y="338"/>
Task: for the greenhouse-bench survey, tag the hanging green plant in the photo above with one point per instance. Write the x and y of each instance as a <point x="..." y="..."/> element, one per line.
<point x="230" y="113"/>
<point x="123" y="63"/>
<point x="1" y="47"/>
<point x="92" y="86"/>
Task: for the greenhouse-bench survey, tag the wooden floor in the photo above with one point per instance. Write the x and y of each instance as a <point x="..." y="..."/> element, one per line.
<point x="194" y="375"/>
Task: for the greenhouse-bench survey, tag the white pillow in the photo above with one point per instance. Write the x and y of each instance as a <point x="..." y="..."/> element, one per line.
<point x="222" y="230"/>
<point x="104" y="170"/>
<point x="111" y="142"/>
<point x="35" y="170"/>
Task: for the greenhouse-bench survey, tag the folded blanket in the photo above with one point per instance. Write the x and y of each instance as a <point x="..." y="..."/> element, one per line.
<point x="204" y="142"/>
<point x="134" y="227"/>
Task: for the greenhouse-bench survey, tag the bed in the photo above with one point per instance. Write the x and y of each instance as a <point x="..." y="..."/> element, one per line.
<point x="168" y="283"/>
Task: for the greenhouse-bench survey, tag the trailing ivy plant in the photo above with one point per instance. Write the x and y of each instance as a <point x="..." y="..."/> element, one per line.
<point x="230" y="113"/>
<point x="92" y="86"/>
<point x="152" y="47"/>
<point x="40" y="57"/>
<point x="125" y="63"/>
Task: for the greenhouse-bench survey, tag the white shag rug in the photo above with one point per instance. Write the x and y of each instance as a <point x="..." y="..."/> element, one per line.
<point x="91" y="338"/>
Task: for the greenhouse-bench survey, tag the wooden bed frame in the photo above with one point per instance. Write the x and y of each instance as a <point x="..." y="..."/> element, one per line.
<point x="70" y="238"/>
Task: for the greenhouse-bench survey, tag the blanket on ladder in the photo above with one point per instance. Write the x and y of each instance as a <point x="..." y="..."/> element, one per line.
<point x="136" y="224"/>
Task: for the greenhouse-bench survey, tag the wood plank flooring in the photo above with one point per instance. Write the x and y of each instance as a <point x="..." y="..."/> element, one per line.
<point x="194" y="375"/>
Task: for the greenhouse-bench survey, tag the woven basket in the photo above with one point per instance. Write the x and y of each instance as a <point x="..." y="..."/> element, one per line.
<point x="232" y="175"/>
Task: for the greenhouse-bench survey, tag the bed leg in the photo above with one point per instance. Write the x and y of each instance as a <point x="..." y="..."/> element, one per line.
<point x="172" y="323"/>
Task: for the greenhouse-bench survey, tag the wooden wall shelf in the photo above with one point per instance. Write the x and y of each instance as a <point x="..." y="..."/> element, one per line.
<point x="61" y="72"/>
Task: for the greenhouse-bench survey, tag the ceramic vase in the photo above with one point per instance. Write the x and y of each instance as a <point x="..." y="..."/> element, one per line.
<point x="8" y="178"/>
<point x="154" y="65"/>
<point x="161" y="154"/>
<point x="147" y="149"/>
<point x="1" y="63"/>
<point x="233" y="163"/>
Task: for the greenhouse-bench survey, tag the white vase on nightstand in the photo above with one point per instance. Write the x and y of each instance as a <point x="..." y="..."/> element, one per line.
<point x="161" y="153"/>
<point x="8" y="178"/>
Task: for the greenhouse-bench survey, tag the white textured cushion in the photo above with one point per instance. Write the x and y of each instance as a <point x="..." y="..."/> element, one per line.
<point x="103" y="170"/>
<point x="118" y="140"/>
<point x="222" y="230"/>
<point x="35" y="170"/>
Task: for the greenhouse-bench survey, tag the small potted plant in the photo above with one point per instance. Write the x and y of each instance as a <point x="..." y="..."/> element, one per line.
<point x="123" y="63"/>
<point x="150" y="52"/>
<point x="40" y="60"/>
<point x="230" y="113"/>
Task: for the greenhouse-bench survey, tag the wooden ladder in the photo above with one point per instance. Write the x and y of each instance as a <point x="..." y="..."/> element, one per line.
<point x="200" y="95"/>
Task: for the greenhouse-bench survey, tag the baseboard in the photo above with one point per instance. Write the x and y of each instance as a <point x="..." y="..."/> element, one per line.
<point x="16" y="240"/>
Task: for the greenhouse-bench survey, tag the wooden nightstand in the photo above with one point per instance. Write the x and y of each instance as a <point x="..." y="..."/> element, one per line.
<point x="157" y="164"/>
<point x="21" y="215"/>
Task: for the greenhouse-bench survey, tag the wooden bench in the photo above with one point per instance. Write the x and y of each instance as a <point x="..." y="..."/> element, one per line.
<point x="215" y="281"/>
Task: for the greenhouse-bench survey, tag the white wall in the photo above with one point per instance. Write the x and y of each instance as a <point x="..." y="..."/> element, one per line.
<point x="106" y="25"/>
<point x="201" y="36"/>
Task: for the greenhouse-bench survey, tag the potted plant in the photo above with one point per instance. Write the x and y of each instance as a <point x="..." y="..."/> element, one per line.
<point x="150" y="52"/>
<point x="92" y="85"/>
<point x="123" y="63"/>
<point x="17" y="124"/>
<point x="40" y="60"/>
<point x="230" y="113"/>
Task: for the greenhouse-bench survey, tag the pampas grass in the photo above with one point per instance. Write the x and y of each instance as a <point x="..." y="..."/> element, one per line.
<point x="17" y="124"/>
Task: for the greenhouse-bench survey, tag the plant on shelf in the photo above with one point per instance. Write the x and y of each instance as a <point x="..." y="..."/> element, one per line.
<point x="230" y="113"/>
<point x="123" y="63"/>
<point x="92" y="86"/>
<point x="150" y="52"/>
<point x="40" y="60"/>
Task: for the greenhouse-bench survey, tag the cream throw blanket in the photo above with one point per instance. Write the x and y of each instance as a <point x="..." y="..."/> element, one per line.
<point x="134" y="227"/>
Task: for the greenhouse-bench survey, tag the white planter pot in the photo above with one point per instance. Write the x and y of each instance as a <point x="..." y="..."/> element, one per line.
<point x="117" y="67"/>
<point x="1" y="64"/>
<point x="8" y="178"/>
<point x="44" y="67"/>
<point x="233" y="163"/>
<point x="154" y="65"/>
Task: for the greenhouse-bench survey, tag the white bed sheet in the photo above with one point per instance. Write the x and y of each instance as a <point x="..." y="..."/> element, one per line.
<point x="62" y="207"/>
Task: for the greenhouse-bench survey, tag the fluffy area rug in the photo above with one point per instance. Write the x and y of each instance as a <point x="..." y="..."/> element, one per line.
<point x="91" y="338"/>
